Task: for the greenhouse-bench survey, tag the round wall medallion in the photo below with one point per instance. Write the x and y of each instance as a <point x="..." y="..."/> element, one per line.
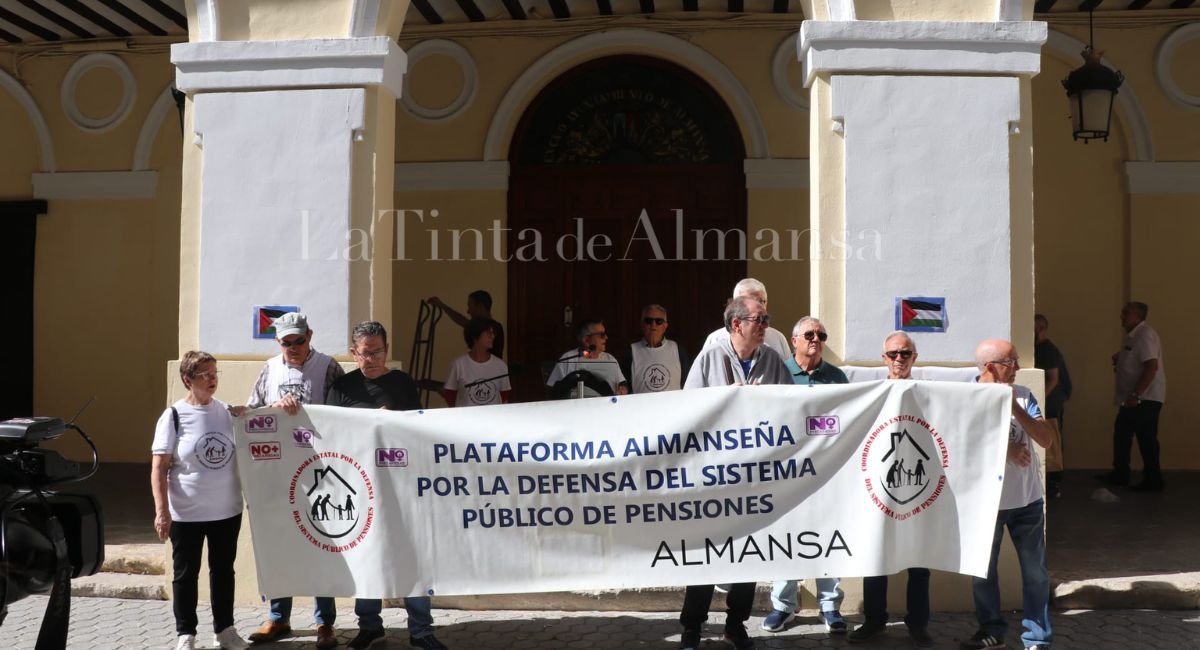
<point x="785" y="54"/>
<point x="124" y="106"/>
<point x="469" y="72"/>
<point x="1162" y="66"/>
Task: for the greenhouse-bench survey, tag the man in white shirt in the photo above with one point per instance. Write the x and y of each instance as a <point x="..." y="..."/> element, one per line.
<point x="1021" y="511"/>
<point x="590" y="357"/>
<point x="772" y="338"/>
<point x="1141" y="388"/>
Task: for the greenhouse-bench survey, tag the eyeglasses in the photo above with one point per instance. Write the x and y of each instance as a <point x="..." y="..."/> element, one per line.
<point x="211" y="375"/>
<point x="654" y="321"/>
<point x="602" y="335"/>
<point x="1011" y="363"/>
<point x="374" y="354"/>
<point x="814" y="334"/>
<point x="288" y="344"/>
<point x="903" y="354"/>
<point x="761" y="319"/>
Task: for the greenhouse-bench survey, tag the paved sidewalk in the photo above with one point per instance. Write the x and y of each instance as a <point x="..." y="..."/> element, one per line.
<point x="103" y="623"/>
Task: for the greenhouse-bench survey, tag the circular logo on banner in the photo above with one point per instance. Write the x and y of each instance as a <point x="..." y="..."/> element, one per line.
<point x="484" y="393"/>
<point x="333" y="501"/>
<point x="656" y="377"/>
<point x="904" y="462"/>
<point x="214" y="450"/>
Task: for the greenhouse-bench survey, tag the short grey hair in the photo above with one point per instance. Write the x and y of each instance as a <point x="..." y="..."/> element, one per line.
<point x="654" y="307"/>
<point x="736" y="308"/>
<point x="807" y="319"/>
<point x="749" y="286"/>
<point x="901" y="334"/>
<point x="367" y="329"/>
<point x="1139" y="308"/>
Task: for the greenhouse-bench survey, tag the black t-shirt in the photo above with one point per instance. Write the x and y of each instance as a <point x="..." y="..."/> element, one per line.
<point x="396" y="390"/>
<point x="1045" y="357"/>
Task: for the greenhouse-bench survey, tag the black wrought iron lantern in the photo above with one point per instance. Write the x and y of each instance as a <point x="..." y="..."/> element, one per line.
<point x="1091" y="89"/>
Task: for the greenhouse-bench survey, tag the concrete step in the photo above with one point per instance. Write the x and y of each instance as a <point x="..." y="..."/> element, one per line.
<point x="144" y="559"/>
<point x="121" y="585"/>
<point x="1164" y="591"/>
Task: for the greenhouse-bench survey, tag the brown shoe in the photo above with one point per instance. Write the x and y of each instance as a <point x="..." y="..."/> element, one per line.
<point x="326" y="637"/>
<point x="270" y="631"/>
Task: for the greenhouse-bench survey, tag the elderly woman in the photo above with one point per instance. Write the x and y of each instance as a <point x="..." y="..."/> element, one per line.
<point x="197" y="495"/>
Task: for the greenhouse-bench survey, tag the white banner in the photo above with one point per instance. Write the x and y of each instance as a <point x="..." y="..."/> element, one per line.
<point x="735" y="484"/>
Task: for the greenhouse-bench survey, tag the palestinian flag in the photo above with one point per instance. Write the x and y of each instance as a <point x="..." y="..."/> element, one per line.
<point x="264" y="320"/>
<point x="921" y="314"/>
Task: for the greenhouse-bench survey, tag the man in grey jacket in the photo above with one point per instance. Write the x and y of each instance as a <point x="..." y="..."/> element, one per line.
<point x="740" y="359"/>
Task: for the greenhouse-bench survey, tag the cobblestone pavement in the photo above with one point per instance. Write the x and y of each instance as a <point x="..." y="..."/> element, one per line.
<point x="104" y="623"/>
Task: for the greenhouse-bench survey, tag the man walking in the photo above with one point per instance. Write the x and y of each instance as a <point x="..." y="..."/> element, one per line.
<point x="740" y="359"/>
<point x="1141" y="388"/>
<point x="808" y="368"/>
<point x="373" y="386"/>
<point x="1021" y="511"/>
<point x="1048" y="359"/>
<point x="298" y="375"/>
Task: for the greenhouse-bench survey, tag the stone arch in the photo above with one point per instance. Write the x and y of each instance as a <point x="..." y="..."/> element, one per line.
<point x="45" y="143"/>
<point x="1129" y="109"/>
<point x="625" y="41"/>
<point x="150" y="128"/>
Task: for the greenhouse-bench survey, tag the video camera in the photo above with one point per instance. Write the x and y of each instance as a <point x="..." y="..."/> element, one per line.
<point x="46" y="537"/>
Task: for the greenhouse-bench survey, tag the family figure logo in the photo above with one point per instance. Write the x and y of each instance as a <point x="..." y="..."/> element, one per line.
<point x="904" y="462"/>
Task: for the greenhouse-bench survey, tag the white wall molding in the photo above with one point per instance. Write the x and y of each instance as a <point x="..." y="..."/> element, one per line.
<point x="40" y="129"/>
<point x="842" y="10"/>
<point x="1162" y="65"/>
<point x="95" y="185"/>
<point x="150" y="126"/>
<point x="1182" y="177"/>
<point x="312" y="63"/>
<point x="470" y="73"/>
<point x="776" y="173"/>
<point x="639" y="41"/>
<point x="784" y="55"/>
<point x="76" y="72"/>
<point x="438" y="176"/>
<point x="208" y="19"/>
<point x="1001" y="48"/>
<point x="1067" y="48"/>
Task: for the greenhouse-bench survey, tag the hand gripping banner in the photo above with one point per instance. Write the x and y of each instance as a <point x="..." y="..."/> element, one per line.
<point x="716" y="485"/>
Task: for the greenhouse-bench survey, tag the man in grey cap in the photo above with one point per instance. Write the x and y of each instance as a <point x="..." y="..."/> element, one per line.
<point x="298" y="375"/>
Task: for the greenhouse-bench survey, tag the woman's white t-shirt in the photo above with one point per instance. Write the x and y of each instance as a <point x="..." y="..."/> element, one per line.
<point x="202" y="484"/>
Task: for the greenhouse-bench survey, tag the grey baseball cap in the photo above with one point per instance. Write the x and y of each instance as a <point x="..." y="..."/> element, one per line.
<point x="291" y="323"/>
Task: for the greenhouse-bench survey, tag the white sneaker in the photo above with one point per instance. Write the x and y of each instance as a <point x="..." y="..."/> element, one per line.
<point x="229" y="639"/>
<point x="186" y="642"/>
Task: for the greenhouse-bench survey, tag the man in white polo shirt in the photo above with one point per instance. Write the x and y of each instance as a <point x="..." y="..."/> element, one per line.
<point x="1141" y="388"/>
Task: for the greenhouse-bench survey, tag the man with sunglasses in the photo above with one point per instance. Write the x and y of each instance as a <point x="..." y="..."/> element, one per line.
<point x="655" y="363"/>
<point x="741" y="360"/>
<point x="809" y="369"/>
<point x="591" y="357"/>
<point x="1021" y="511"/>
<point x="298" y="375"/>
<point x="899" y="355"/>
<point x="772" y="338"/>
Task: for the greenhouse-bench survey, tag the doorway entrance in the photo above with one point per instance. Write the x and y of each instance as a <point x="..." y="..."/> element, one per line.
<point x="18" y="229"/>
<point x="628" y="172"/>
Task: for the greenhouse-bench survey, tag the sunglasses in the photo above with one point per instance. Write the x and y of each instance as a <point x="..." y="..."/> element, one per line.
<point x="903" y="354"/>
<point x="820" y="336"/>
<point x="654" y="321"/>
<point x="287" y="344"/>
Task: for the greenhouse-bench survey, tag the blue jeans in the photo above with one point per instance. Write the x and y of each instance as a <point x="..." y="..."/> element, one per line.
<point x="785" y="597"/>
<point x="325" y="613"/>
<point x="1026" y="528"/>
<point x="420" y="620"/>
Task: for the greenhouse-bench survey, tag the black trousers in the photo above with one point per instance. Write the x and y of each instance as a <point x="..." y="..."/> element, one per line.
<point x="1140" y="421"/>
<point x="697" y="598"/>
<point x="187" y="541"/>
<point x="875" y="590"/>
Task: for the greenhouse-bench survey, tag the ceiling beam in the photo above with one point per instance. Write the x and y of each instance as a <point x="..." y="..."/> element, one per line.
<point x="647" y="6"/>
<point x="1182" y="4"/>
<point x="99" y="19"/>
<point x="736" y="6"/>
<point x="28" y="25"/>
<point x="134" y="17"/>
<point x="9" y="36"/>
<point x="1138" y="4"/>
<point x="1042" y="6"/>
<point x="168" y="11"/>
<point x="426" y="10"/>
<point x="691" y="5"/>
<point x="781" y="6"/>
<point x="61" y="21"/>
<point x="471" y="10"/>
<point x="514" y="9"/>
<point x="559" y="7"/>
<point x="1089" y="5"/>
<point x="604" y="7"/>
